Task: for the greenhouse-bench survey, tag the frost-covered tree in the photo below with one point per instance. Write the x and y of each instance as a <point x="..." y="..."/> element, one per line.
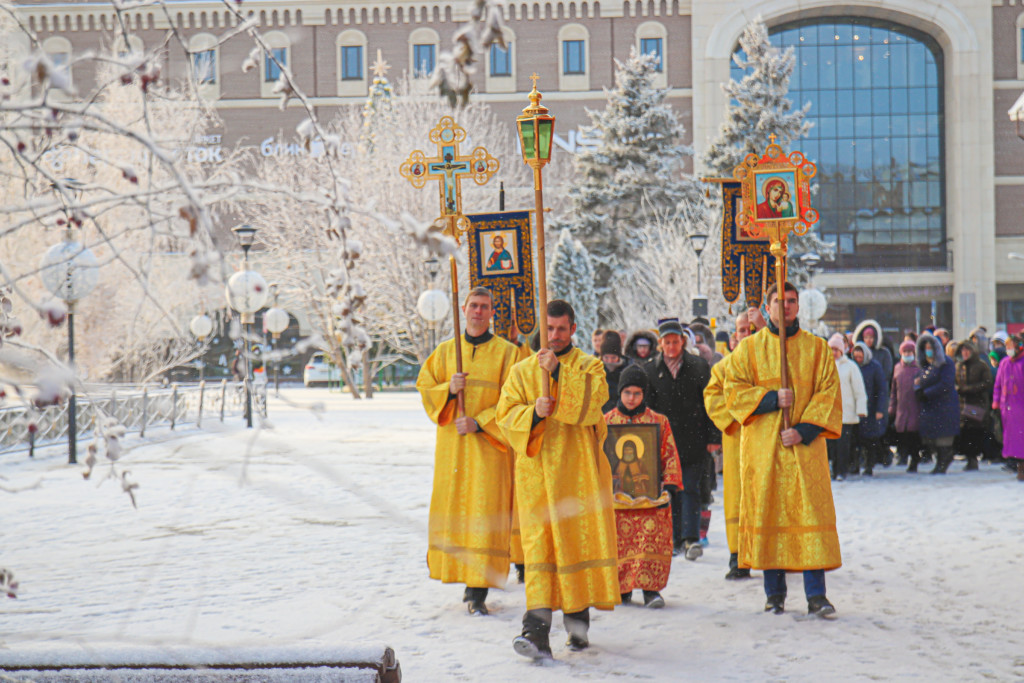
<point x="637" y="168"/>
<point x="758" y="107"/>
<point x="453" y="77"/>
<point x="572" y="278"/>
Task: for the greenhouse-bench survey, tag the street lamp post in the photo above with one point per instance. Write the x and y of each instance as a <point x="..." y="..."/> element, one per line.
<point x="536" y="133"/>
<point x="201" y="326"/>
<point x="246" y="293"/>
<point x="698" y="241"/>
<point x="433" y="304"/>
<point x="276" y="321"/>
<point x="70" y="271"/>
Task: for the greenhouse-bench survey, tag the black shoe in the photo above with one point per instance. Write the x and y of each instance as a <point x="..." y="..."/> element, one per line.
<point x="912" y="467"/>
<point x="578" y="642"/>
<point x="776" y="604"/>
<point x="477" y="607"/>
<point x="972" y="465"/>
<point x="653" y="600"/>
<point x="533" y="645"/>
<point x="735" y="574"/>
<point x="520" y="573"/>
<point x="693" y="549"/>
<point x="868" y="472"/>
<point x="476" y="597"/>
<point x="627" y="598"/>
<point x="819" y="606"/>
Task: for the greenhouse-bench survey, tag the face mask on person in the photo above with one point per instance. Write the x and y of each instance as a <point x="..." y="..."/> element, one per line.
<point x="928" y="353"/>
<point x="908" y="358"/>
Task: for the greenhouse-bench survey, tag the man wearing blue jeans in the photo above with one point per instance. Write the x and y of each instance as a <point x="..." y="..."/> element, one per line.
<point x="787" y="515"/>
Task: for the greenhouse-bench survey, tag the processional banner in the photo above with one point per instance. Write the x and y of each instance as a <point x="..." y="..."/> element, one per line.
<point x="501" y="259"/>
<point x="746" y="256"/>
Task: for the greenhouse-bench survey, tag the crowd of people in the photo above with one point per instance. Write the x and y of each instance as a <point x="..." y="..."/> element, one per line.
<point x="525" y="471"/>
<point x="935" y="399"/>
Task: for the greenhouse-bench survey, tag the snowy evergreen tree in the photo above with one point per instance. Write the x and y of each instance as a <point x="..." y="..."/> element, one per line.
<point x="572" y="279"/>
<point x="758" y="107"/>
<point x="636" y="168"/>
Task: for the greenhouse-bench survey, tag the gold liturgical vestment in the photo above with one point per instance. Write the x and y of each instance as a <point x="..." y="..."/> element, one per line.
<point x="471" y="505"/>
<point x="787" y="516"/>
<point x="714" y="403"/>
<point x="563" y="485"/>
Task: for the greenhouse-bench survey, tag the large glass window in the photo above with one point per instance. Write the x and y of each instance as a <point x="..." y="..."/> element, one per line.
<point x="574" y="57"/>
<point x="423" y="56"/>
<point x="501" y="62"/>
<point x="652" y="46"/>
<point x="875" y="90"/>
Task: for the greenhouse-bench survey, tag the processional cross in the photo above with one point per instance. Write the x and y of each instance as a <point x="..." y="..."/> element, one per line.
<point x="786" y="175"/>
<point x="448" y="168"/>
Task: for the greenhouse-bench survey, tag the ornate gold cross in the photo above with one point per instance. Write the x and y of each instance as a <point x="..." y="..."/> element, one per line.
<point x="448" y="168"/>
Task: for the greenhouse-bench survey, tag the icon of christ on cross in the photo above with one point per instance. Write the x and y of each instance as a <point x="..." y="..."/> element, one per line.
<point x="448" y="167"/>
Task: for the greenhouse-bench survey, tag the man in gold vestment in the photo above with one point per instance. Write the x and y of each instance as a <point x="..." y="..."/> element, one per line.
<point x="714" y="400"/>
<point x="787" y="516"/>
<point x="471" y="505"/>
<point x="563" y="486"/>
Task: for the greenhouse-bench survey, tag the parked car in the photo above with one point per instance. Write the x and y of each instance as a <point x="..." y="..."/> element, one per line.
<point x="318" y="371"/>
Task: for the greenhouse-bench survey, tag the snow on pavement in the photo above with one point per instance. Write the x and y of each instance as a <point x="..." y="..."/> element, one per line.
<point x="313" y="533"/>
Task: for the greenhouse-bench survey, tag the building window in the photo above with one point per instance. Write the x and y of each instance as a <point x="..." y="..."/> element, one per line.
<point x="876" y="97"/>
<point x="574" y="55"/>
<point x="652" y="46"/>
<point x="271" y="69"/>
<point x="501" y="60"/>
<point x="205" y="65"/>
<point x="423" y="60"/>
<point x="351" y="62"/>
<point x="1021" y="52"/>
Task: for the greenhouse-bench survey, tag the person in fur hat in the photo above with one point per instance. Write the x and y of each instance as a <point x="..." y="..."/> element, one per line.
<point x="641" y="348"/>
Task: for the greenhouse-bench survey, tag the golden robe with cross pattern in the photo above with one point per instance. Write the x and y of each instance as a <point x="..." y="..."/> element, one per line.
<point x="563" y="484"/>
<point x="787" y="515"/>
<point x="645" y="534"/>
<point x="517" y="533"/>
<point x="714" y="403"/>
<point x="471" y="505"/>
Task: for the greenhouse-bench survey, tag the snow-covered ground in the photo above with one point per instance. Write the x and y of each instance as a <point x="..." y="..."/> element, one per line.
<point x="314" y="533"/>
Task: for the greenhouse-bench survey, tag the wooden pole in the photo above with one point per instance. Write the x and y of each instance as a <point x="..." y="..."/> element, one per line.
<point x="779" y="252"/>
<point x="460" y="399"/>
<point x="542" y="277"/>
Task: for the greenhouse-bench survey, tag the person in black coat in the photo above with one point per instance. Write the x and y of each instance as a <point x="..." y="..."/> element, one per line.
<point x="677" y="382"/>
<point x="611" y="356"/>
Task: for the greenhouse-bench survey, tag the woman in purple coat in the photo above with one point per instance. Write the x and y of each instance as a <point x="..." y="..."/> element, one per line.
<point x="903" y="408"/>
<point x="1008" y="399"/>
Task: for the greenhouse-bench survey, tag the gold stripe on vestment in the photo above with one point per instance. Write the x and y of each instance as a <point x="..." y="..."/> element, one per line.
<point x="586" y="399"/>
<point x="572" y="568"/>
<point x="787" y="529"/>
<point x="460" y="550"/>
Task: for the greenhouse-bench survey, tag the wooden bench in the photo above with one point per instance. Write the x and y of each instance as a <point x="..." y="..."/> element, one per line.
<point x="308" y="664"/>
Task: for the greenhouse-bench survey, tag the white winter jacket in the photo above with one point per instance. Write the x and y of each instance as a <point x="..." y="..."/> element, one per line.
<point x="851" y="383"/>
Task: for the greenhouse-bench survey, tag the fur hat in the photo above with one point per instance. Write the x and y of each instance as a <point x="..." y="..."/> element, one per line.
<point x="908" y="347"/>
<point x="633" y="376"/>
<point x="611" y="344"/>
